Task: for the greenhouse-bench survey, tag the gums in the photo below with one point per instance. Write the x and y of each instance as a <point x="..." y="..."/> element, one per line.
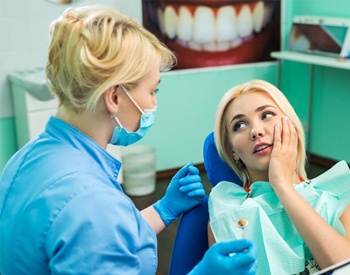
<point x="253" y="48"/>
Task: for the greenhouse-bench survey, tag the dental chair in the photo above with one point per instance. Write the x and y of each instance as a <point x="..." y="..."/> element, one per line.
<point x="191" y="240"/>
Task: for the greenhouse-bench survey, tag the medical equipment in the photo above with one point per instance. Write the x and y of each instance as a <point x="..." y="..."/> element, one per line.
<point x="242" y="223"/>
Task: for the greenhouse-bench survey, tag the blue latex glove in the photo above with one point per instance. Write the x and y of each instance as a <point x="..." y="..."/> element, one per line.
<point x="217" y="259"/>
<point x="183" y="193"/>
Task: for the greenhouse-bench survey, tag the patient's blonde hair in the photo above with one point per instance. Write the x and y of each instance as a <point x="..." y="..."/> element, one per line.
<point x="94" y="48"/>
<point x="221" y="134"/>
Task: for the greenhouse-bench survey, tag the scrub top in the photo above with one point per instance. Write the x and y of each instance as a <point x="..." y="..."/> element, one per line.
<point x="63" y="212"/>
<point x="281" y="248"/>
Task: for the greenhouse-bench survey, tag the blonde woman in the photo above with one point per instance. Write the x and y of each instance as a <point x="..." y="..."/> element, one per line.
<point x="62" y="210"/>
<point x="297" y="223"/>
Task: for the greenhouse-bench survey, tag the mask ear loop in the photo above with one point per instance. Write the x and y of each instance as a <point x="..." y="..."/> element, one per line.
<point x="133" y="101"/>
<point x="114" y="115"/>
<point x="117" y="120"/>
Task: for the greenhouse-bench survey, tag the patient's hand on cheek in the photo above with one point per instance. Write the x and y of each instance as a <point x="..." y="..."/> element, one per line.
<point x="282" y="164"/>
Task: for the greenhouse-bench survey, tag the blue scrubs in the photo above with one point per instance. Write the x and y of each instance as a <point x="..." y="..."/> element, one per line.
<point x="62" y="211"/>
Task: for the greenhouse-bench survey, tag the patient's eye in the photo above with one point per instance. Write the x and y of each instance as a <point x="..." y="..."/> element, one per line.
<point x="267" y="114"/>
<point x="239" y="125"/>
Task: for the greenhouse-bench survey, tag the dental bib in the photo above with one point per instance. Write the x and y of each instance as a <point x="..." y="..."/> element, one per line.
<point x="281" y="249"/>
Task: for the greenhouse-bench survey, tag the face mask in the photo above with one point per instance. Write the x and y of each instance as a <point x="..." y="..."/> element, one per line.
<point x="123" y="137"/>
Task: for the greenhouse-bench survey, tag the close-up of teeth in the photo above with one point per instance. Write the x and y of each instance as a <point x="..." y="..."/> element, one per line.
<point x="206" y="33"/>
<point x="206" y="28"/>
<point x="261" y="148"/>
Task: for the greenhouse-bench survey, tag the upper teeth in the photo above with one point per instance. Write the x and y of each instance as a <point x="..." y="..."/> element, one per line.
<point x="261" y="147"/>
<point x="213" y="30"/>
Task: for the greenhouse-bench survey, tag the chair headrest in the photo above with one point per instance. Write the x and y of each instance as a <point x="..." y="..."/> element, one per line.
<point x="217" y="170"/>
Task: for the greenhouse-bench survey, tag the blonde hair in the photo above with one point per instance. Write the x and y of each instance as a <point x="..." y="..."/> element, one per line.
<point x="96" y="47"/>
<point x="221" y="134"/>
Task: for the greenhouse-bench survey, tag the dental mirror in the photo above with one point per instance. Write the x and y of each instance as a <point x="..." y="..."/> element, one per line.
<point x="242" y="223"/>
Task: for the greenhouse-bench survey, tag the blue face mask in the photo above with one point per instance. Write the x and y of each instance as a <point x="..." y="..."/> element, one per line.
<point x="123" y="137"/>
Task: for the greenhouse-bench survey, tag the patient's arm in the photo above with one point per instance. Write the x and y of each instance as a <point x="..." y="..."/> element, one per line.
<point x="211" y="239"/>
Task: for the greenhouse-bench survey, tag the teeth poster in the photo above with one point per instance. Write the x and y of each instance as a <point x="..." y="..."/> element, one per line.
<point x="207" y="33"/>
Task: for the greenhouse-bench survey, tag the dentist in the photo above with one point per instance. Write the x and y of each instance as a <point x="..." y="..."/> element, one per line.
<point x="61" y="208"/>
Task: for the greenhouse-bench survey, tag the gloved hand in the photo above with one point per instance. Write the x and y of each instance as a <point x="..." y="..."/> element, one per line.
<point x="217" y="259"/>
<point x="183" y="193"/>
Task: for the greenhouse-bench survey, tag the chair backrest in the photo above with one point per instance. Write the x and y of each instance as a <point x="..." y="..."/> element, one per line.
<point x="191" y="241"/>
<point x="217" y="170"/>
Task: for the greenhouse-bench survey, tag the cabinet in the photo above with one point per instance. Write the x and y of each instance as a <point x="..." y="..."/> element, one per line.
<point x="33" y="105"/>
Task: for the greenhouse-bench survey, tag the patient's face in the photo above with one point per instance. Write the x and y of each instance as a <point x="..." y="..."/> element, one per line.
<point x="251" y="119"/>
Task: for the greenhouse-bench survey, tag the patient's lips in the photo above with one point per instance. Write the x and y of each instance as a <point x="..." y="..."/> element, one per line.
<point x="209" y="33"/>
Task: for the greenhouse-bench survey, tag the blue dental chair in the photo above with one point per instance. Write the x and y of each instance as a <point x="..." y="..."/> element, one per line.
<point x="191" y="241"/>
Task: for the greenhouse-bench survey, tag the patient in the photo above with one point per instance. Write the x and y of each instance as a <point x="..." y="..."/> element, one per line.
<point x="299" y="225"/>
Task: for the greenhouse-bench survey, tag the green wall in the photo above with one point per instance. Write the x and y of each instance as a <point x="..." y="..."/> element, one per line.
<point x="330" y="125"/>
<point x="186" y="107"/>
<point x="187" y="103"/>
